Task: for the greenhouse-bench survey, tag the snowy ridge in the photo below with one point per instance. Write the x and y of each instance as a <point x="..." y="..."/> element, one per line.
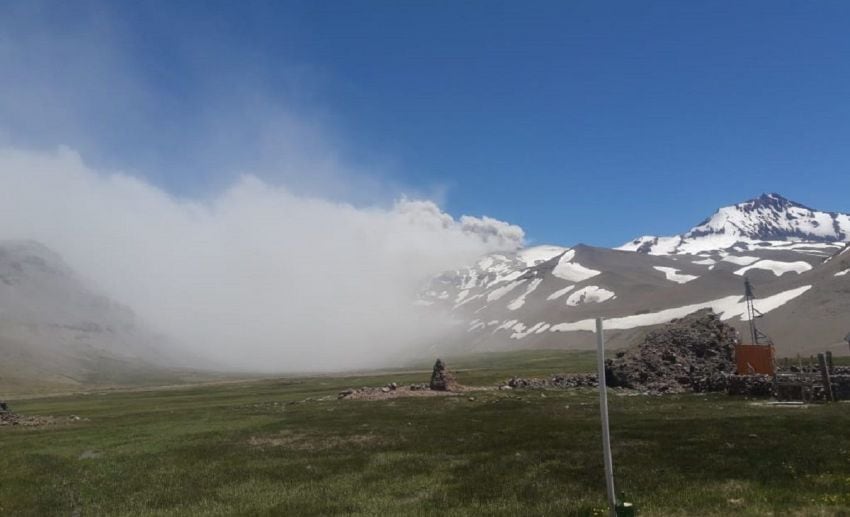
<point x="496" y="276"/>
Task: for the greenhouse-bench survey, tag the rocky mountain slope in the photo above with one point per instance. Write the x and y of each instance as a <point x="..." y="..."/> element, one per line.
<point x="548" y="296"/>
<point x="56" y="332"/>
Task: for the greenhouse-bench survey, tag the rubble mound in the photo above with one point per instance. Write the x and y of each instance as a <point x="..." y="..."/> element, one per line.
<point x="758" y="385"/>
<point x="10" y="418"/>
<point x="441" y="378"/>
<point x="694" y="353"/>
<point x="557" y="381"/>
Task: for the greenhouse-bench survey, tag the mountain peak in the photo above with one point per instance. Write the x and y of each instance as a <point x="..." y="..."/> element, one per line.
<point x="769" y="217"/>
<point x="771" y="201"/>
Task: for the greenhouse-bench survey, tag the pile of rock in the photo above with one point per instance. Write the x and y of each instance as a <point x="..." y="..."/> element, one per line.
<point x="750" y="385"/>
<point x="367" y="391"/>
<point x="422" y="386"/>
<point x="558" y="381"/>
<point x="6" y="415"/>
<point x="10" y="418"/>
<point x="518" y="383"/>
<point x="442" y="382"/>
<point x="574" y="380"/>
<point x="694" y="353"/>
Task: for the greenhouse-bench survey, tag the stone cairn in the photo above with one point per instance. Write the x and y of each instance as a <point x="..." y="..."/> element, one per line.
<point x="441" y="379"/>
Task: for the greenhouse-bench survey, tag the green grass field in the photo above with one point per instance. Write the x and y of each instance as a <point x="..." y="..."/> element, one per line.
<point x="288" y="447"/>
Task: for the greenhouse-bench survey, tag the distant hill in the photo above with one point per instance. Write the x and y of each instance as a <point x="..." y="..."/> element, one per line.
<point x="58" y="333"/>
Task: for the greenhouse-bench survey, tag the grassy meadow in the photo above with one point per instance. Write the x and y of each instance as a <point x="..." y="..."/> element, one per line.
<point x="289" y="447"/>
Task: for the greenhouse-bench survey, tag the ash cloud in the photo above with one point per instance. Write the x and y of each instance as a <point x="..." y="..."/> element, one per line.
<point x="253" y="277"/>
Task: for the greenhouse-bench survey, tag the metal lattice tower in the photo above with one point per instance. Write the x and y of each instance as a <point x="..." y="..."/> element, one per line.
<point x="756" y="335"/>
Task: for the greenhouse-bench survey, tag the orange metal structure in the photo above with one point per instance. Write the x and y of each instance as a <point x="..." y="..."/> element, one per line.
<point x="751" y="359"/>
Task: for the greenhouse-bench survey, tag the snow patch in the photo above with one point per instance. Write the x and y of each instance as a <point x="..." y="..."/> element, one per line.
<point x="461" y="295"/>
<point x="497" y="293"/>
<point x="571" y="271"/>
<point x="778" y="268"/>
<point x="673" y="275"/>
<point x="485" y="263"/>
<point x="519" y="301"/>
<point x="705" y="262"/>
<point x="506" y="325"/>
<point x="655" y="245"/>
<point x="740" y="261"/>
<point x="467" y="300"/>
<point x="533" y="256"/>
<point x="520" y="331"/>
<point x="728" y="308"/>
<point x="560" y="292"/>
<point x="500" y="278"/>
<point x="590" y="294"/>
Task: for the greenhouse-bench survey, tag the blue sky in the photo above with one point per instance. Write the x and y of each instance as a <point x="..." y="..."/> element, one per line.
<point x="585" y="122"/>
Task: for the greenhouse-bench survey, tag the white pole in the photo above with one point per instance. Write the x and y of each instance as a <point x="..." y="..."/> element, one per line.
<point x="603" y="409"/>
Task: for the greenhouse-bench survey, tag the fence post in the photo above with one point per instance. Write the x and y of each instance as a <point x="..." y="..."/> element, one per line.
<point x="603" y="409"/>
<point x="827" y="382"/>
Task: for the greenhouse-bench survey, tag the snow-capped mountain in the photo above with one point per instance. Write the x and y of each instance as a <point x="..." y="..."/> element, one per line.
<point x="548" y="296"/>
<point x="768" y="221"/>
